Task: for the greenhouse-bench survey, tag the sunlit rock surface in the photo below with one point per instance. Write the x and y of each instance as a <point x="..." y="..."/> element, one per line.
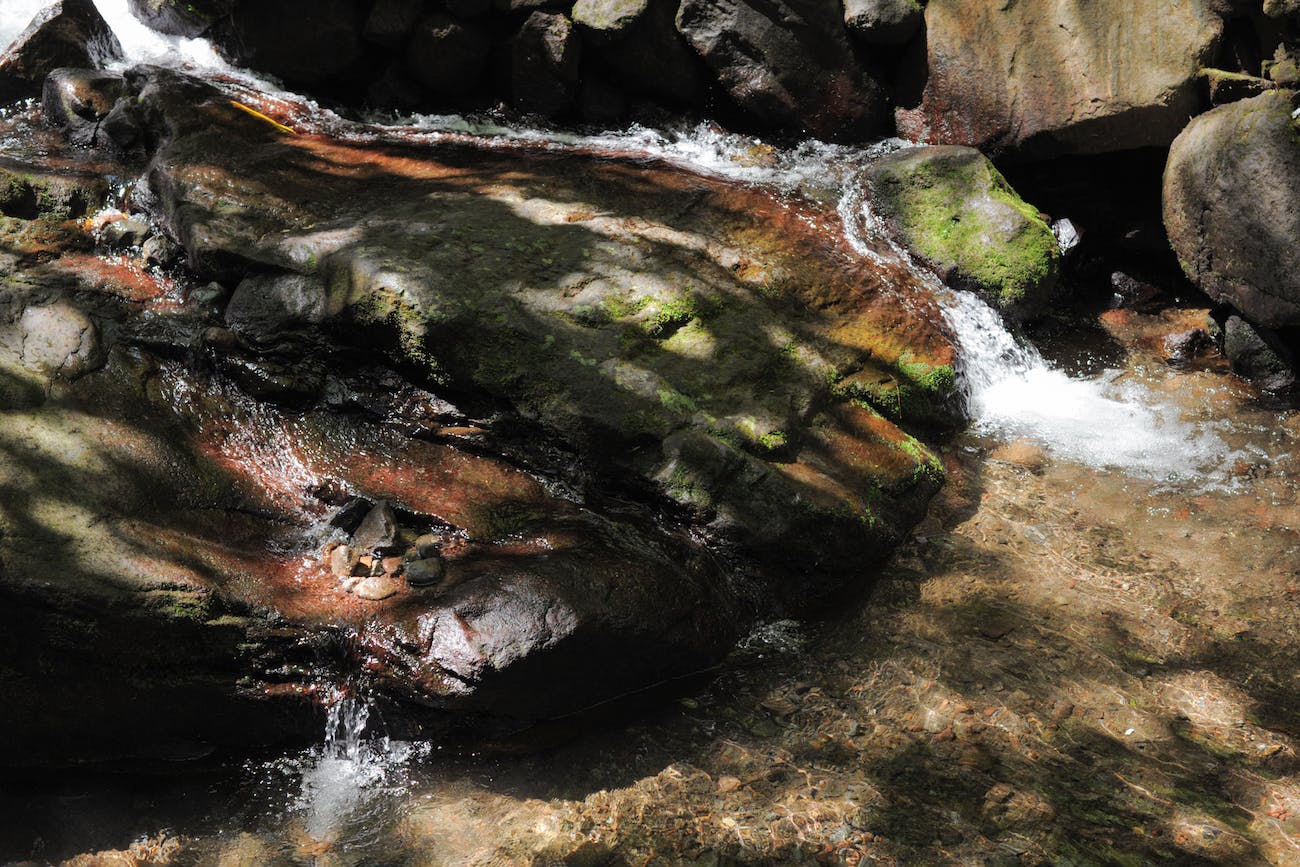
<point x="1056" y="76"/>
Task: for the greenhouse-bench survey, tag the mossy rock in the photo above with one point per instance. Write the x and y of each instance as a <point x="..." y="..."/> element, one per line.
<point x="952" y="208"/>
<point x="625" y="309"/>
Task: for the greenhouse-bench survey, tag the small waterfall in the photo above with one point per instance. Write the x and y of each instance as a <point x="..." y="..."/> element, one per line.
<point x="349" y="782"/>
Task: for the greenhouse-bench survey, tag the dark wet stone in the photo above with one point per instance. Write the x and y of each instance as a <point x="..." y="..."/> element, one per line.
<point x="390" y="21"/>
<point x="446" y="55"/>
<point x="1256" y="354"/>
<point x="425" y="572"/>
<point x="640" y="43"/>
<point x="265" y="305"/>
<point x="349" y="517"/>
<point x="544" y="58"/>
<point x="378" y="530"/>
<point x="77" y="101"/>
<point x="787" y="63"/>
<point x="428" y="545"/>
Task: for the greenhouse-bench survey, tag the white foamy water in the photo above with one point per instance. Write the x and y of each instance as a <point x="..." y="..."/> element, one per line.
<point x="142" y="45"/>
<point x="1111" y="420"/>
<point x="347" y="784"/>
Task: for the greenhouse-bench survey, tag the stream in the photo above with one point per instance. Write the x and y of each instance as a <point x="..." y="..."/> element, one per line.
<point x="1086" y="653"/>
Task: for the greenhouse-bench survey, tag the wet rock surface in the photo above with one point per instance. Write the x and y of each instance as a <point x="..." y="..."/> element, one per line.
<point x="66" y="33"/>
<point x="623" y="512"/>
<point x="634" y="329"/>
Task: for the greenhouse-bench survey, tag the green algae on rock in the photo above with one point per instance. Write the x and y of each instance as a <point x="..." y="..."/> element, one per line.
<point x="952" y="208"/>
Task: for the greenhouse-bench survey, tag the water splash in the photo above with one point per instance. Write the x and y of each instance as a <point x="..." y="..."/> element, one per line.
<point x="142" y="45"/>
<point x="1113" y="420"/>
<point x="341" y="794"/>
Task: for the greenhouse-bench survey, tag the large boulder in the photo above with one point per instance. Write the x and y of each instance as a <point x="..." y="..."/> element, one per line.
<point x="679" y="373"/>
<point x="1059" y="76"/>
<point x="697" y="339"/>
<point x="787" y="63"/>
<point x="1232" y="206"/>
<point x="65" y="33"/>
<point x="950" y="207"/>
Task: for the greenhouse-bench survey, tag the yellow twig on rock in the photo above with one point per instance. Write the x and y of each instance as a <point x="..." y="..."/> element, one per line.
<point x="257" y="114"/>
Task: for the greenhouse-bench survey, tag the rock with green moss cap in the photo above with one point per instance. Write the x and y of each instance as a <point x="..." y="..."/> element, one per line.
<point x="950" y="207"/>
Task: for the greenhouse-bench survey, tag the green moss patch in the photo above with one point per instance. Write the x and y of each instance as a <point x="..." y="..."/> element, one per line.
<point x="952" y="208"/>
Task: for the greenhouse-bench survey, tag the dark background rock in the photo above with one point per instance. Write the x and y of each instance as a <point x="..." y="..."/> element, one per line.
<point x="640" y="44"/>
<point x="447" y="56"/>
<point x="307" y="43"/>
<point x="786" y="63"/>
<point x="544" y="58"/>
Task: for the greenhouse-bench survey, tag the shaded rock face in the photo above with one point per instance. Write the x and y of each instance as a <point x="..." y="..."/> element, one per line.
<point x="1059" y="76"/>
<point x="1232" y="206"/>
<point x="305" y="42"/>
<point x="883" y="22"/>
<point x="952" y="208"/>
<point x="787" y="63"/>
<point x="544" y="64"/>
<point x="640" y="43"/>
<point x="189" y="19"/>
<point x="66" y="33"/>
<point x="78" y="101"/>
